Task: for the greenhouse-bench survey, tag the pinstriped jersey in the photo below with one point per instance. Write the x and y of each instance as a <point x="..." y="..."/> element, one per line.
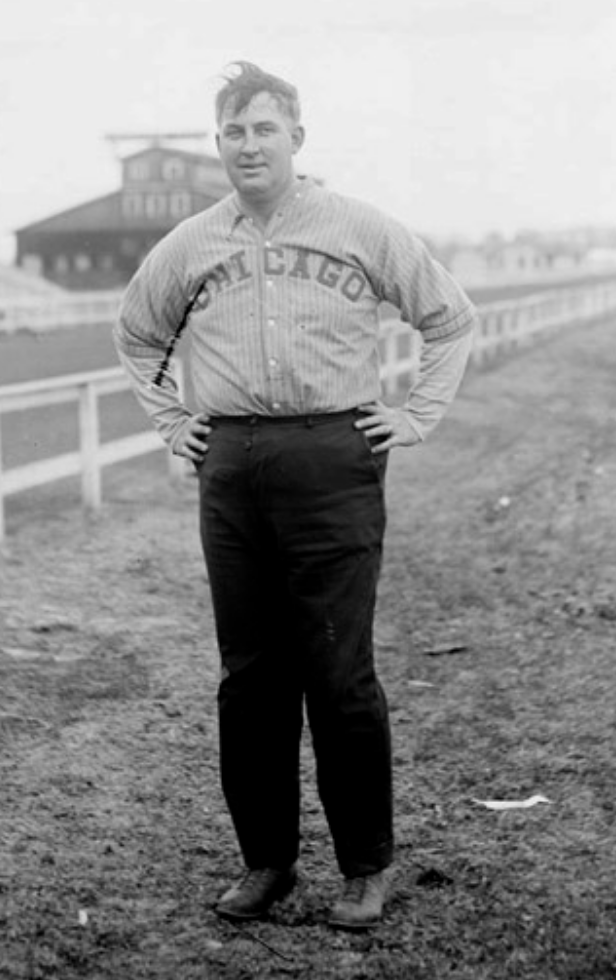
<point x="283" y="321"/>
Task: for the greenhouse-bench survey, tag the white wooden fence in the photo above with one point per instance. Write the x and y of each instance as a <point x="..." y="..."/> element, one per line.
<point x="503" y="326"/>
<point x="88" y="461"/>
<point x="510" y="324"/>
<point x="38" y="313"/>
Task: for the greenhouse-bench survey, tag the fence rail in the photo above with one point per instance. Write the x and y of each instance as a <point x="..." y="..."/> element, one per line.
<point x="502" y="327"/>
<point x="509" y="324"/>
<point x="65" y="310"/>
<point x="88" y="461"/>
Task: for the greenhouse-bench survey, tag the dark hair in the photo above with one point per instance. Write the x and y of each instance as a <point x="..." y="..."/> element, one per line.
<point x="242" y="86"/>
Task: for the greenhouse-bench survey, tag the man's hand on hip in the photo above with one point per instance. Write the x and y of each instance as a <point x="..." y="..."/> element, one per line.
<point x="194" y="443"/>
<point x="390" y="426"/>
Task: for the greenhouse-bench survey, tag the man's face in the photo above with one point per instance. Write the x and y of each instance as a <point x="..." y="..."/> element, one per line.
<point x="257" y="146"/>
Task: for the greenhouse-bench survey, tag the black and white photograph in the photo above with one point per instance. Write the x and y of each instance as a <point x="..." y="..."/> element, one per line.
<point x="308" y="490"/>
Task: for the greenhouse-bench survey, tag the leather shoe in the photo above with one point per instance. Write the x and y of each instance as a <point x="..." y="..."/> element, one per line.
<point x="252" y="897"/>
<point x="361" y="903"/>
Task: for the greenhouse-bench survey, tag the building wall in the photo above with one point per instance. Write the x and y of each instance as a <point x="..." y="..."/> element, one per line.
<point x="94" y="260"/>
<point x="100" y="244"/>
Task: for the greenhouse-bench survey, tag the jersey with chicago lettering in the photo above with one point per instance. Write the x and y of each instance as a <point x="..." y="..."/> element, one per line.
<point x="285" y="321"/>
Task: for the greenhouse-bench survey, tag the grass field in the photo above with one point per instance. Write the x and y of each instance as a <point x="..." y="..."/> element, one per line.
<point x="496" y="633"/>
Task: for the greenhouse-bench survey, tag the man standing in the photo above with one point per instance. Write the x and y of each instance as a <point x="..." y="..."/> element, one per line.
<point x="279" y="284"/>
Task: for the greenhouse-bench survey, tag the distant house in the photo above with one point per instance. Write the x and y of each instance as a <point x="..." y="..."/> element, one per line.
<point x="520" y="259"/>
<point x="99" y="244"/>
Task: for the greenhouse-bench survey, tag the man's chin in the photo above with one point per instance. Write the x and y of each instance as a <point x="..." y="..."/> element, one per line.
<point x="253" y="187"/>
<point x="249" y="177"/>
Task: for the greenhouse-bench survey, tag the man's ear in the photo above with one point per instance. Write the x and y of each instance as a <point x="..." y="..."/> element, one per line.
<point x="218" y="142"/>
<point x="297" y="137"/>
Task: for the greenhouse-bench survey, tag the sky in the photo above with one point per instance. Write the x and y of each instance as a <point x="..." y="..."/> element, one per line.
<point x="460" y="117"/>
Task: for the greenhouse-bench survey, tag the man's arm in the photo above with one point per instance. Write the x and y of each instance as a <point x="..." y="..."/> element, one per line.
<point x="441" y="370"/>
<point x="442" y="367"/>
<point x="184" y="432"/>
<point x="154" y="311"/>
<point x="431" y="301"/>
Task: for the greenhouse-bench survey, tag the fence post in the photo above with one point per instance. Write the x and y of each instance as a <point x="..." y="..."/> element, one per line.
<point x="389" y="363"/>
<point x="89" y="439"/>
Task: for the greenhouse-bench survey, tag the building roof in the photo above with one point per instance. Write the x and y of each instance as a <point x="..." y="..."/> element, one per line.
<point x="168" y="151"/>
<point x="208" y="184"/>
<point x="104" y="214"/>
<point x="98" y="214"/>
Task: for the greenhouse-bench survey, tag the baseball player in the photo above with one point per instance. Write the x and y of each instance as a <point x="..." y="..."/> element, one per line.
<point x="279" y="285"/>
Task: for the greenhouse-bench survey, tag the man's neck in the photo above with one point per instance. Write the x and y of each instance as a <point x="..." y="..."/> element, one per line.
<point x="261" y="211"/>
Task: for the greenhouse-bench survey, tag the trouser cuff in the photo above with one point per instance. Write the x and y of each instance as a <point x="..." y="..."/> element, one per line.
<point x="368" y="862"/>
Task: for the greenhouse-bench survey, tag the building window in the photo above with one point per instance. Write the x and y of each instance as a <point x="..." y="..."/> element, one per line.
<point x="173" y="169"/>
<point x="61" y="265"/>
<point x="106" y="263"/>
<point x="132" y="205"/>
<point x="83" y="262"/>
<point x="155" y="205"/>
<point x="139" y="170"/>
<point x="179" y="204"/>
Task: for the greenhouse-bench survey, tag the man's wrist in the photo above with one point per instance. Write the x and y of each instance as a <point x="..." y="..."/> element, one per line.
<point x="413" y="423"/>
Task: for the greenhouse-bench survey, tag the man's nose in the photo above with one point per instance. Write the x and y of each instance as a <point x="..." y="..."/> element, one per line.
<point x="250" y="144"/>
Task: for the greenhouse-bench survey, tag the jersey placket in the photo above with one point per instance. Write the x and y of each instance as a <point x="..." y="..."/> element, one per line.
<point x="270" y="268"/>
<point x="269" y="317"/>
<point x="273" y="339"/>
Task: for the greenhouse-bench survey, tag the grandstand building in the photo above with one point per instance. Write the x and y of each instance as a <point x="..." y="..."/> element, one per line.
<point x="99" y="244"/>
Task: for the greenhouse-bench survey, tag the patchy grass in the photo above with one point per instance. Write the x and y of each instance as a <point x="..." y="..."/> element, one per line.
<point x="495" y="638"/>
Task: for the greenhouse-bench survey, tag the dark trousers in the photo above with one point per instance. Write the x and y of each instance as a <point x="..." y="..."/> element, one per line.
<point x="292" y="523"/>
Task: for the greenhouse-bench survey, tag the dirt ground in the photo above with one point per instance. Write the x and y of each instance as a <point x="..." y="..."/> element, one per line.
<point x="496" y="642"/>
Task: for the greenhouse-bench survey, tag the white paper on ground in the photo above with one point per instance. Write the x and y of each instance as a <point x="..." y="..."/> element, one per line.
<point x="513" y="804"/>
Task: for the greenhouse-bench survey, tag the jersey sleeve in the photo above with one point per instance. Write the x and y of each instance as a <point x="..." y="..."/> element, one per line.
<point x="428" y="297"/>
<point x="441" y="370"/>
<point x="152" y="313"/>
<point x="432" y="302"/>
